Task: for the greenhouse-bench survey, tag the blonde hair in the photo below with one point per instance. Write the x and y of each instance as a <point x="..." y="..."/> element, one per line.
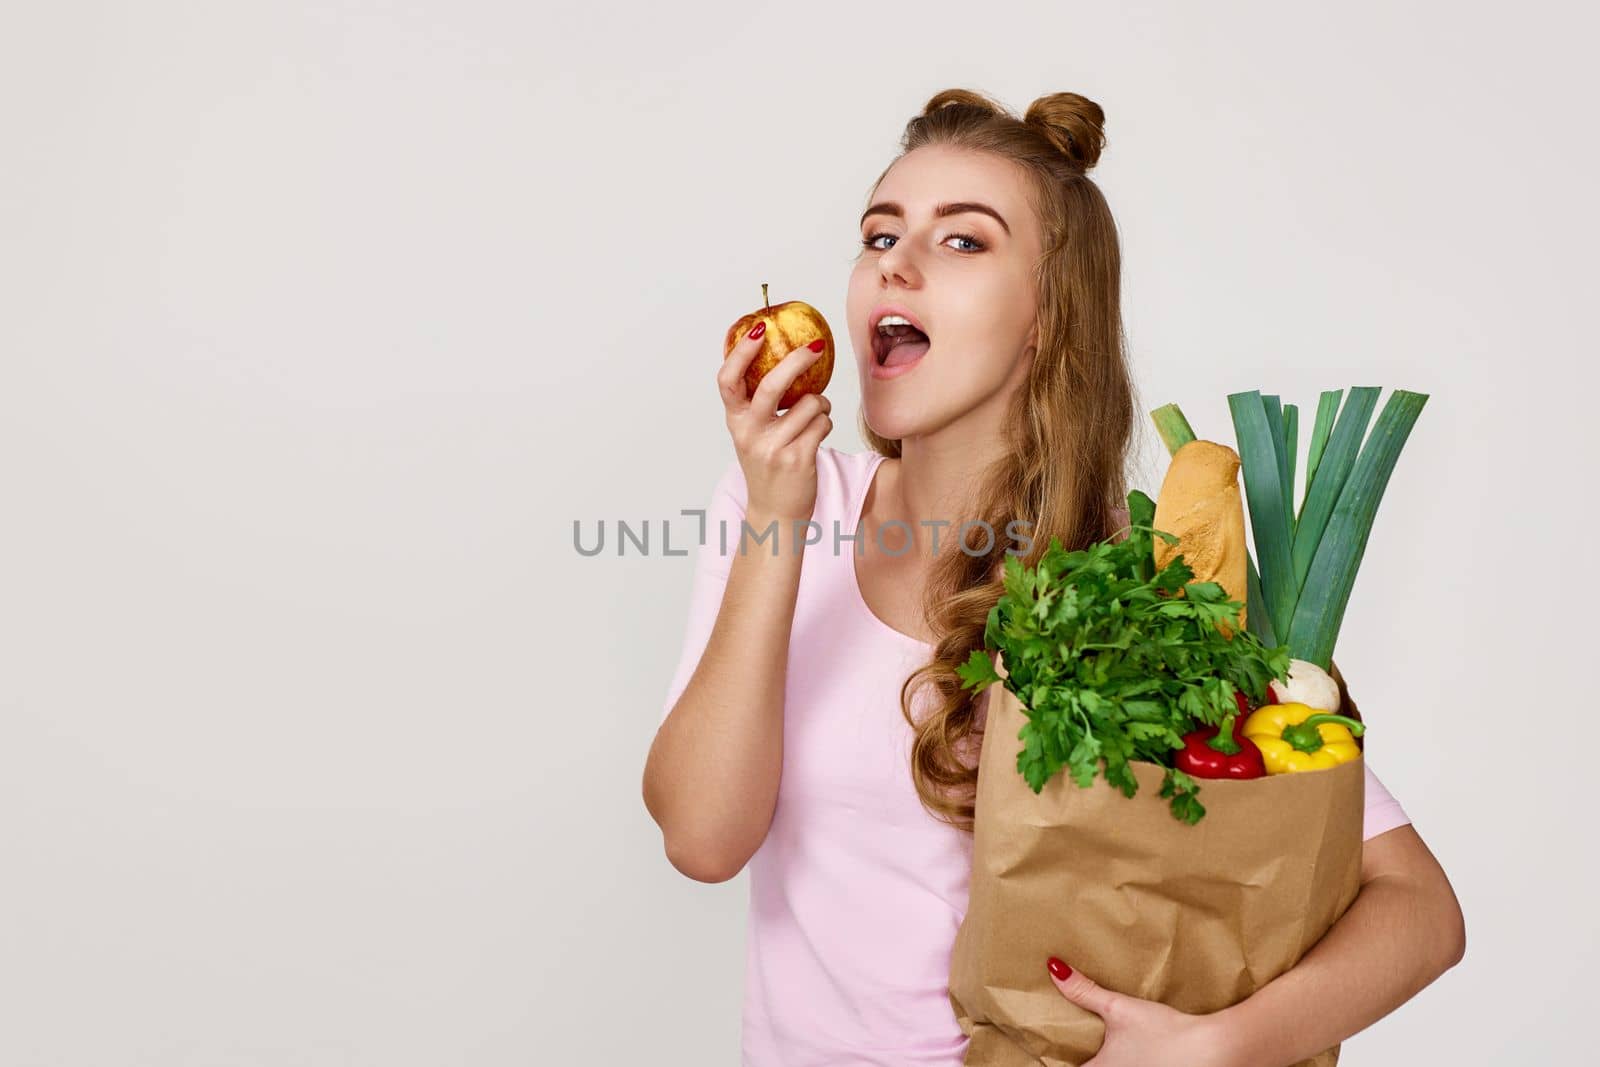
<point x="1070" y="425"/>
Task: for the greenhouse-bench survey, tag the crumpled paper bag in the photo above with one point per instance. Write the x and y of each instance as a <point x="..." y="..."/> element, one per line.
<point x="1196" y="917"/>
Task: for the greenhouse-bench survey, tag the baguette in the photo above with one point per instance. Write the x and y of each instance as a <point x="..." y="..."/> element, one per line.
<point x="1200" y="503"/>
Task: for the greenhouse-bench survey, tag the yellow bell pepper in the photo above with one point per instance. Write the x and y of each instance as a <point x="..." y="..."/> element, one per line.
<point x="1298" y="737"/>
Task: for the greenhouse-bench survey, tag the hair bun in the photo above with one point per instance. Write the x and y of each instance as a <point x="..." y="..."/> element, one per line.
<point x="967" y="99"/>
<point x="1074" y="124"/>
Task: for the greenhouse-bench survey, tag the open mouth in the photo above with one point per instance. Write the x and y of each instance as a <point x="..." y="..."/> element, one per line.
<point x="897" y="345"/>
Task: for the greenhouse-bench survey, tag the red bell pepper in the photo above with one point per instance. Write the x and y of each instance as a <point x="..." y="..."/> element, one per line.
<point x="1222" y="751"/>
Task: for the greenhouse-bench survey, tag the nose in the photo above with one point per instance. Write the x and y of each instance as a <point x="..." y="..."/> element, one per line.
<point x="896" y="265"/>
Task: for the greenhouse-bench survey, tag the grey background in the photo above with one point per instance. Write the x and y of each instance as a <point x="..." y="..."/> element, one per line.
<point x="321" y="323"/>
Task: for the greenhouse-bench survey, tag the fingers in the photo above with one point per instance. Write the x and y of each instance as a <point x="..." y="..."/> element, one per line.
<point x="1080" y="989"/>
<point x="810" y="439"/>
<point x="730" y="376"/>
<point x="800" y="418"/>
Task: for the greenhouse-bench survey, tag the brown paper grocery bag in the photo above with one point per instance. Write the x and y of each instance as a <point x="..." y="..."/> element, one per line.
<point x="1196" y="917"/>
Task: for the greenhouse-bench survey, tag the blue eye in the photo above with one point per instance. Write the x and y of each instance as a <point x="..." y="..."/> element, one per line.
<point x="867" y="242"/>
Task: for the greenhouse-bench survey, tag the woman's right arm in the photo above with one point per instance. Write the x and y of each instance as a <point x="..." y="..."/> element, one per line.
<point x="711" y="779"/>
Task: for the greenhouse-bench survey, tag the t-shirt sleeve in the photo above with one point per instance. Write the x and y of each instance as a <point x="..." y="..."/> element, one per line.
<point x="1383" y="811"/>
<point x="724" y="511"/>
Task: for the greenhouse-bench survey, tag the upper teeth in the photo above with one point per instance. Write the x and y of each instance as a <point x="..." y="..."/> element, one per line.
<point x="894" y="320"/>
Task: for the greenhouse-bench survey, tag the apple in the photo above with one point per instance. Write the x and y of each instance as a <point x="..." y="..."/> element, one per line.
<point x="789" y="326"/>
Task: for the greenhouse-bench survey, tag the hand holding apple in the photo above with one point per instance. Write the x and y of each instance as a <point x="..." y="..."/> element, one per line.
<point x="789" y="325"/>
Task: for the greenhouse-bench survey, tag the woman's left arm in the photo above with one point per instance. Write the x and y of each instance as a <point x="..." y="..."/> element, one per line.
<point x="1403" y="930"/>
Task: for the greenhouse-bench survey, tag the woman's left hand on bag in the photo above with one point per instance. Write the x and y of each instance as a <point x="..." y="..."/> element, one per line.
<point x="1144" y="1033"/>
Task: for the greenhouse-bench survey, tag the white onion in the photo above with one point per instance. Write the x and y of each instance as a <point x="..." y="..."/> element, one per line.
<point x="1308" y="684"/>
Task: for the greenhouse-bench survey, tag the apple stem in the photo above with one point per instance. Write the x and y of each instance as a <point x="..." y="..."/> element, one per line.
<point x="764" y="299"/>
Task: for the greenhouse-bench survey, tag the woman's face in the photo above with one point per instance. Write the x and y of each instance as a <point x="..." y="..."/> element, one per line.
<point x="967" y="278"/>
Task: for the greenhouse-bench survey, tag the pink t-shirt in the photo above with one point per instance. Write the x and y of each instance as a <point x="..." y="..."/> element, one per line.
<point x="857" y="892"/>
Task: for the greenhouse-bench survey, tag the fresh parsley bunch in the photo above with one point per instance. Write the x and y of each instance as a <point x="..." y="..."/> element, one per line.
<point x="1111" y="664"/>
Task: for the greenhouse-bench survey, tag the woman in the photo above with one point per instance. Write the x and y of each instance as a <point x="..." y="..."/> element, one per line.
<point x="1008" y="397"/>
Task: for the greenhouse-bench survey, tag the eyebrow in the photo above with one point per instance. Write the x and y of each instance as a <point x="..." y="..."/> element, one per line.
<point x="940" y="210"/>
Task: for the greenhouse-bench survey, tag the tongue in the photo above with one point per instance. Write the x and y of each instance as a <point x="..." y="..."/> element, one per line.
<point x="906" y="352"/>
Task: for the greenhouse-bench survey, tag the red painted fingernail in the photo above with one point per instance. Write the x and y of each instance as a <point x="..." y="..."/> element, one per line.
<point x="817" y="345"/>
<point x="760" y="328"/>
<point x="1060" y="970"/>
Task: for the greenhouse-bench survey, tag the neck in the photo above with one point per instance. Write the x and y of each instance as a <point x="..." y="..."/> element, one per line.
<point x="938" y="476"/>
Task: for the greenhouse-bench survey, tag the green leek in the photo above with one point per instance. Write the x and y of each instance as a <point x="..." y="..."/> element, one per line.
<point x="1308" y="561"/>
